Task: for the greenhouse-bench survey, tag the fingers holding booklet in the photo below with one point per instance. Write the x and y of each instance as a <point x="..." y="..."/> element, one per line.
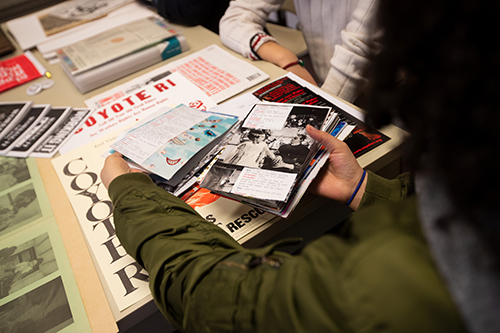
<point x="271" y="155"/>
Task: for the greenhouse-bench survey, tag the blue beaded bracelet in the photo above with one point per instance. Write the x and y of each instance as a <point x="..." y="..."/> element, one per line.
<point x="357" y="188"/>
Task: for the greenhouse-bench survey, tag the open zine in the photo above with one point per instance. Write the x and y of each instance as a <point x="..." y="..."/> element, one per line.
<point x="172" y="138"/>
<point x="265" y="160"/>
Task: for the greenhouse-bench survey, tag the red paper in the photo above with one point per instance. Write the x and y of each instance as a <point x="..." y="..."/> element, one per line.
<point x="16" y="71"/>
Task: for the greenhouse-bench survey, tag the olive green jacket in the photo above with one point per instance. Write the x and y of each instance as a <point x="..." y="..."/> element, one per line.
<point x="377" y="277"/>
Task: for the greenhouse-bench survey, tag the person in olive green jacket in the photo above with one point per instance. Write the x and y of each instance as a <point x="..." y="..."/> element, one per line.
<point x="404" y="262"/>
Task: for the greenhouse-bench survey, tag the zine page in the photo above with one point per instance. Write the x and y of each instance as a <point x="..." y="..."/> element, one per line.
<point x="10" y="114"/>
<point x="291" y="89"/>
<point x="49" y="145"/>
<point x="29" y="119"/>
<point x="167" y="142"/>
<point x="37" y="132"/>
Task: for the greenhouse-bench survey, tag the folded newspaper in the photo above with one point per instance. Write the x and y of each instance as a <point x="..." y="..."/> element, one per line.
<point x="270" y="160"/>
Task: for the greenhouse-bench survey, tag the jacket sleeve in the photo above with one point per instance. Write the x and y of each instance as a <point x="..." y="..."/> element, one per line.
<point x="242" y="20"/>
<point x="345" y="78"/>
<point x="381" y="190"/>
<point x="180" y="250"/>
<point x="204" y="281"/>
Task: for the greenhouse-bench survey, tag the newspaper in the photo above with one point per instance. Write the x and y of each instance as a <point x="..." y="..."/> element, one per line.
<point x="216" y="72"/>
<point x="114" y="43"/>
<point x="38" y="288"/>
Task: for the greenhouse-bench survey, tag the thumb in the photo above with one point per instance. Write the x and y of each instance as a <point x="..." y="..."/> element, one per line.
<point x="330" y="142"/>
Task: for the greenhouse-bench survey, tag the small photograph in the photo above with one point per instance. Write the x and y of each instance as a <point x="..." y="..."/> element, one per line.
<point x="18" y="207"/>
<point x="26" y="263"/>
<point x="221" y="177"/>
<point x="281" y="150"/>
<point x="13" y="171"/>
<point x="44" y="309"/>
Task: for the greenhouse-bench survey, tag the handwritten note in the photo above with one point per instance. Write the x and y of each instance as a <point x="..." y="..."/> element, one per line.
<point x="264" y="184"/>
<point x="268" y="116"/>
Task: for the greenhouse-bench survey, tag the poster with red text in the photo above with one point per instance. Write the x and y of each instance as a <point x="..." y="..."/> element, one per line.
<point x="169" y="91"/>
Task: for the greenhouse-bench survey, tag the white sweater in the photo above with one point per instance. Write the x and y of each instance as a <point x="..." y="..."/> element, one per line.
<point x="338" y="34"/>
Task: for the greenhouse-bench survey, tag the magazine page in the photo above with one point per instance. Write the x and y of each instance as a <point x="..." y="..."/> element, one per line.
<point x="114" y="43"/>
<point x="264" y="160"/>
<point x="215" y="71"/>
<point x="166" y="143"/>
<point x="38" y="285"/>
<point x="169" y="91"/>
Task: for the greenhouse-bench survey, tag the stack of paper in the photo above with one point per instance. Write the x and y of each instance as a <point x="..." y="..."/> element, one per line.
<point x="271" y="156"/>
<point x="120" y="51"/>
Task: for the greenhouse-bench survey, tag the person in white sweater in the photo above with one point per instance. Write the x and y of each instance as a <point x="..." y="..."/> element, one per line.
<point x="338" y="33"/>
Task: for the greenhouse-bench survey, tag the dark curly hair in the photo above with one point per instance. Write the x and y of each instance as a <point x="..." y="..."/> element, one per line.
<point x="437" y="73"/>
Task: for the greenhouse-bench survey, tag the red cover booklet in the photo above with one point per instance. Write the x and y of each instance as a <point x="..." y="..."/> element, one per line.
<point x="18" y="70"/>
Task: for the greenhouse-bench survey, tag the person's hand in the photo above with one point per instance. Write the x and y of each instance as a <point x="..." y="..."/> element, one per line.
<point x="341" y="174"/>
<point x="114" y="166"/>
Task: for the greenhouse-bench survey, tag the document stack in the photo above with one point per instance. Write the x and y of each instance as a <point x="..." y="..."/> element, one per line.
<point x="115" y="53"/>
<point x="270" y="161"/>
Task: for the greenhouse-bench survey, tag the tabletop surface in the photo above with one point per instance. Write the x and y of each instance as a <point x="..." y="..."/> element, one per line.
<point x="64" y="93"/>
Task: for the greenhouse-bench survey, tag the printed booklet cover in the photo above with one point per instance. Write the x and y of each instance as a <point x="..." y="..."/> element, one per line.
<point x="164" y="144"/>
